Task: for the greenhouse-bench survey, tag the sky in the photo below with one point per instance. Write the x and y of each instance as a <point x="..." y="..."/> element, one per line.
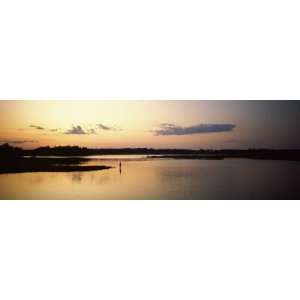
<point x="157" y="124"/>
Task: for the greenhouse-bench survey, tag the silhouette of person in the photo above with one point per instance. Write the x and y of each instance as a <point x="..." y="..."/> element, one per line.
<point x="120" y="167"/>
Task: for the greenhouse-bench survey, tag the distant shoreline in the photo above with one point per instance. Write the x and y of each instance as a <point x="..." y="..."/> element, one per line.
<point x="224" y="156"/>
<point x="70" y="158"/>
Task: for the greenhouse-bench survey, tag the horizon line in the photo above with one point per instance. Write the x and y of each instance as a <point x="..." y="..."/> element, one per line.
<point x="148" y="148"/>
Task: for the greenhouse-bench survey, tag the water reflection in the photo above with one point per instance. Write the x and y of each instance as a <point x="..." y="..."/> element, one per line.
<point x="161" y="179"/>
<point x="120" y="168"/>
<point x="76" y="177"/>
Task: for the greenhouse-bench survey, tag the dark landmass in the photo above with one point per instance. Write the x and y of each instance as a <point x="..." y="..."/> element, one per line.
<point x="286" y="154"/>
<point x="22" y="165"/>
<point x="219" y="155"/>
<point x="12" y="160"/>
<point x="209" y="157"/>
<point x="29" y="168"/>
<point x="15" y="159"/>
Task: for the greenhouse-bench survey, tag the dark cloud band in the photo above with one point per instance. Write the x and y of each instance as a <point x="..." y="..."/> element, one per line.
<point x="107" y="128"/>
<point x="75" y="130"/>
<point x="17" y="141"/>
<point x="37" y="127"/>
<point x="172" y="129"/>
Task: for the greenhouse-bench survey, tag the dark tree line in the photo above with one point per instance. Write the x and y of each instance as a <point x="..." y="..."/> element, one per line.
<point x="7" y="151"/>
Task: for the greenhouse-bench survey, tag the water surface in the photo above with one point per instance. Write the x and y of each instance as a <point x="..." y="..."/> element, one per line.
<point x="142" y="178"/>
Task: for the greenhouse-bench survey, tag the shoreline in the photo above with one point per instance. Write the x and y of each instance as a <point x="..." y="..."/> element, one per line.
<point x="33" y="165"/>
<point x="11" y="165"/>
<point x="225" y="156"/>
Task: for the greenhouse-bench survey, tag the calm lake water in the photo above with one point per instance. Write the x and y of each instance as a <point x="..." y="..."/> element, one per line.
<point x="142" y="178"/>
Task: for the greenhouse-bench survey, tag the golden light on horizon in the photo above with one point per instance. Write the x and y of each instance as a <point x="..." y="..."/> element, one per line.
<point x="114" y="124"/>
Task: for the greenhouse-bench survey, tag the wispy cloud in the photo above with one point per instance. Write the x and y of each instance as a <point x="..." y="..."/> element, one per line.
<point x="103" y="127"/>
<point x="172" y="129"/>
<point x="91" y="131"/>
<point x="107" y="128"/>
<point x="76" y="130"/>
<point x="79" y="129"/>
<point x="17" y="141"/>
<point x="37" y="127"/>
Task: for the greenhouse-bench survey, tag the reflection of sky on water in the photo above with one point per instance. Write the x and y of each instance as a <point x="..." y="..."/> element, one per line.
<point x="162" y="179"/>
<point x="76" y="177"/>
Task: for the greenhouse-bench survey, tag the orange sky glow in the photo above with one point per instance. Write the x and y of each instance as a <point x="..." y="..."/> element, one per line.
<point x="114" y="124"/>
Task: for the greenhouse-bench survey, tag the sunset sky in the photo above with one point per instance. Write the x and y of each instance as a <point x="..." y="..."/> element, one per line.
<point x="158" y="124"/>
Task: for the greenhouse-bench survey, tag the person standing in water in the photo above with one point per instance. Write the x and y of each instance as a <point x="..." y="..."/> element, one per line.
<point x="120" y="167"/>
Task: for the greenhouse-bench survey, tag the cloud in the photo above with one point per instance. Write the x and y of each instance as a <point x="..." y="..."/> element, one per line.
<point x="103" y="127"/>
<point x="166" y="124"/>
<point x="37" y="127"/>
<point x="91" y="131"/>
<point x="17" y="141"/>
<point x="172" y="129"/>
<point x="53" y="130"/>
<point x="75" y="130"/>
